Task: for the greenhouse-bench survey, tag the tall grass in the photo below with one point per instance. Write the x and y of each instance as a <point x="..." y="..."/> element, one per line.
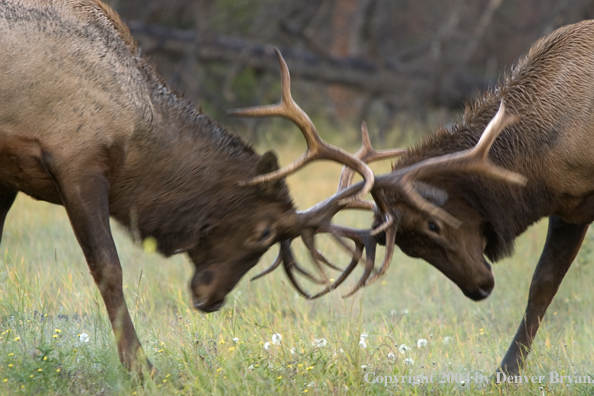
<point x="56" y="339"/>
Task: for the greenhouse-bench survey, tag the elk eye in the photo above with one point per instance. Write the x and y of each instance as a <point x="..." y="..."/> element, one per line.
<point x="265" y="234"/>
<point x="433" y="227"/>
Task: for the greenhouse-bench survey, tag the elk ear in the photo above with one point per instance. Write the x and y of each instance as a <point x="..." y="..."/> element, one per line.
<point x="266" y="164"/>
<point x="432" y="194"/>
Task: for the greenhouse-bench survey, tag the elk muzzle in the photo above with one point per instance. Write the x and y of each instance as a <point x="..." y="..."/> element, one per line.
<point x="481" y="286"/>
<point x="207" y="296"/>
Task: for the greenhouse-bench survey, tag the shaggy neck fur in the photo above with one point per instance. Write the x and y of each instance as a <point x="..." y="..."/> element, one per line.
<point x="182" y="176"/>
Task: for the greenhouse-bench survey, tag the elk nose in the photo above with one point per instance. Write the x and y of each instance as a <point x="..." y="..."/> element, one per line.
<point x="207" y="307"/>
<point x="483" y="287"/>
<point x="483" y="291"/>
<point x="478" y="294"/>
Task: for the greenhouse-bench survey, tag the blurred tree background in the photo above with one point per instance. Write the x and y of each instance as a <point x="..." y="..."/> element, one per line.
<point x="401" y="65"/>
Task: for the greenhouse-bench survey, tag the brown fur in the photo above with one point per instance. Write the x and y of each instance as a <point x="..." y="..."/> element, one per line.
<point x="86" y="123"/>
<point x="551" y="90"/>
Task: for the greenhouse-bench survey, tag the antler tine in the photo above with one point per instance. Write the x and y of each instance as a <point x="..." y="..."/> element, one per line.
<point x="367" y="154"/>
<point x="501" y="119"/>
<point x="473" y="160"/>
<point x="390" y="243"/>
<point x="325" y="260"/>
<point x="308" y="239"/>
<point x="382" y="207"/>
<point x="369" y="265"/>
<point x="289" y="264"/>
<point x="307" y="275"/>
<point x="357" y="254"/>
<point x="316" y="147"/>
<point x="279" y="260"/>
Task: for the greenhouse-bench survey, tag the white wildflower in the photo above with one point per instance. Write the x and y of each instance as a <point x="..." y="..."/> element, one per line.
<point x="292" y="351"/>
<point x="83" y="337"/>
<point x="276" y="339"/>
<point x="311" y="385"/>
<point x="364" y="367"/>
<point x="251" y="367"/>
<point x="421" y="343"/>
<point x="363" y="340"/>
<point x="235" y="340"/>
<point x="405" y="312"/>
<point x="394" y="312"/>
<point x="320" y="343"/>
<point x="409" y="361"/>
<point x="336" y="352"/>
<point x="391" y="356"/>
<point x="447" y="340"/>
<point x="267" y="346"/>
<point x="403" y="348"/>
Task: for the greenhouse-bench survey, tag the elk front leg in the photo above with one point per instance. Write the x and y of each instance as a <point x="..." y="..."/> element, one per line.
<point x="85" y="198"/>
<point x="7" y="198"/>
<point x="562" y="245"/>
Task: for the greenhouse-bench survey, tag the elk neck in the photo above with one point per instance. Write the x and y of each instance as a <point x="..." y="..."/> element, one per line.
<point x="181" y="173"/>
<point x="507" y="209"/>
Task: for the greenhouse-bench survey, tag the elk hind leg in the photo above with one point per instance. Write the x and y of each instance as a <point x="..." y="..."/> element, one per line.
<point x="562" y="245"/>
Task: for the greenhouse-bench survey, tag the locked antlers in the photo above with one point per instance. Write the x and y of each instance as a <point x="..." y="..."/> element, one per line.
<point x="318" y="219"/>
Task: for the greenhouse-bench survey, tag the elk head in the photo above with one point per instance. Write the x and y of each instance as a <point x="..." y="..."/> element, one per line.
<point x="428" y="225"/>
<point x="257" y="216"/>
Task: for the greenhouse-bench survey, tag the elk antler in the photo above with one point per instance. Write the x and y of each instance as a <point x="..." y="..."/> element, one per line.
<point x="367" y="154"/>
<point x="316" y="147"/>
<point x="473" y="160"/>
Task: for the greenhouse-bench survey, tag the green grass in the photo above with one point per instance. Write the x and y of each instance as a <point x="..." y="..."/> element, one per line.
<point x="48" y="299"/>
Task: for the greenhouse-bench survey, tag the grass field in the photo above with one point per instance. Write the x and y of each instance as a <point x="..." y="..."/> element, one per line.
<point x="56" y="339"/>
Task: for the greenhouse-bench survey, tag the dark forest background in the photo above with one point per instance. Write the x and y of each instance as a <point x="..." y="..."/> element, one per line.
<point x="399" y="64"/>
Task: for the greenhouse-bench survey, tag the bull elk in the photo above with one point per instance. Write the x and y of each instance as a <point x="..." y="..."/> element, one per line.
<point x="86" y="123"/>
<point x="451" y="206"/>
<point x="453" y="219"/>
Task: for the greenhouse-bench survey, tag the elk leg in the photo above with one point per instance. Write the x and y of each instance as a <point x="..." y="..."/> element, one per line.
<point x="85" y="198"/>
<point x="7" y="198"/>
<point x="562" y="245"/>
